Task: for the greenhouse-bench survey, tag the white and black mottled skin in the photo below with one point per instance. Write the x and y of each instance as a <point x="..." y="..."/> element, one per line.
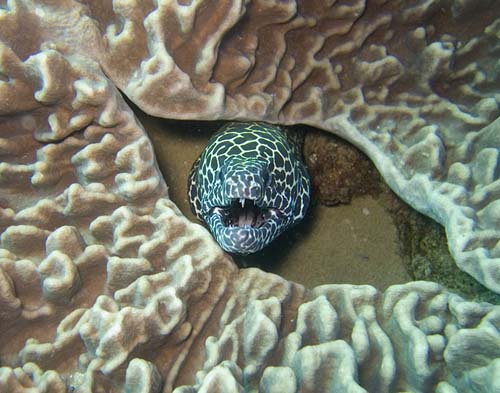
<point x="249" y="185"/>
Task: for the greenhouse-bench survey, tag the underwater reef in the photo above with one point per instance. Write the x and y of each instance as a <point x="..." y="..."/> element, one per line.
<point x="105" y="286"/>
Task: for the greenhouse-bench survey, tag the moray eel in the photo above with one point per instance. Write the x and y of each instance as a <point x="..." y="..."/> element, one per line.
<point x="249" y="185"/>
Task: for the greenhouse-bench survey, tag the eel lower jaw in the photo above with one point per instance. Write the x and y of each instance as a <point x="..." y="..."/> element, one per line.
<point x="246" y="239"/>
<point x="244" y="228"/>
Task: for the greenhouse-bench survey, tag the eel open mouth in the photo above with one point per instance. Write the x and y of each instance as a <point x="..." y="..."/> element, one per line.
<point x="245" y="213"/>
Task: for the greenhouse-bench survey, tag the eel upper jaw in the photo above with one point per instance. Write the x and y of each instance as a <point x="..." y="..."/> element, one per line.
<point x="245" y="213"/>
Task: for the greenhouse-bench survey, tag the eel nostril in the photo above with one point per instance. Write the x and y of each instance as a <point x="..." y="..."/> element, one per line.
<point x="267" y="181"/>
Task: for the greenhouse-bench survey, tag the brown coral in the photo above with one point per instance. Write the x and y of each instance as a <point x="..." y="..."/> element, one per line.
<point x="104" y="285"/>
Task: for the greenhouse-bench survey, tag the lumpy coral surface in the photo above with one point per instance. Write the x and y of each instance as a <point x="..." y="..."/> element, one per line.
<point x="106" y="287"/>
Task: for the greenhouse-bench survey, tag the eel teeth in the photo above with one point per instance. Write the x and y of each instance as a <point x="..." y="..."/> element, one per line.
<point x="242" y="202"/>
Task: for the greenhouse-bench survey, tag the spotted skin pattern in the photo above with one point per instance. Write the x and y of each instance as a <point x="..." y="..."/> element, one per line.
<point x="249" y="185"/>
